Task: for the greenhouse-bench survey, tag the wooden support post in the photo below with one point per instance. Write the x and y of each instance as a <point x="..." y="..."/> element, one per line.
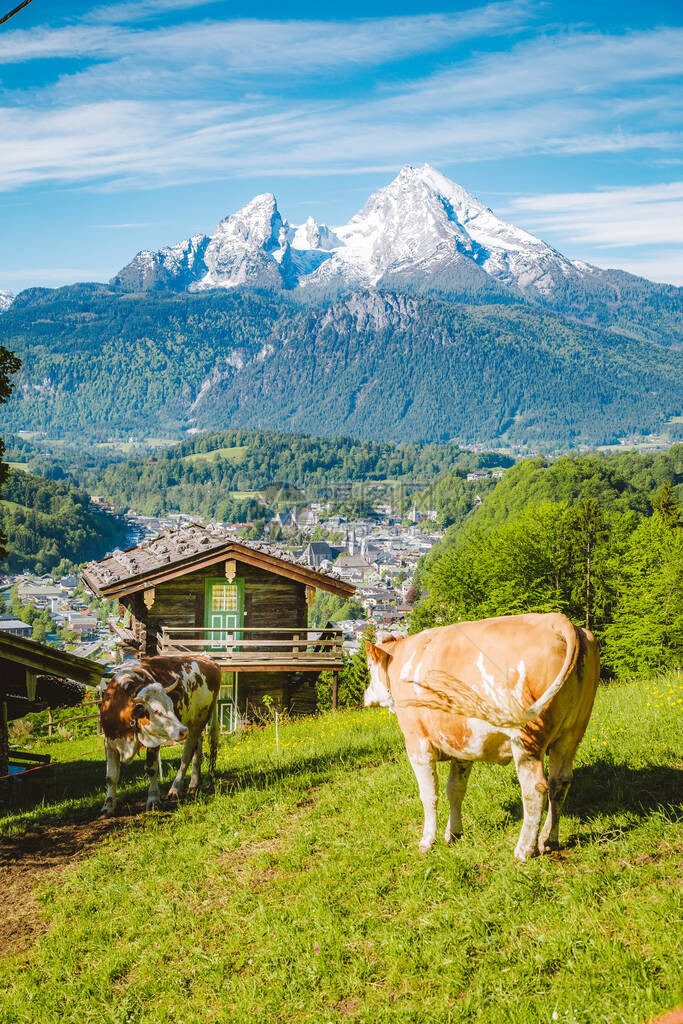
<point x="31" y="684"/>
<point x="4" y="740"/>
<point x="335" y="684"/>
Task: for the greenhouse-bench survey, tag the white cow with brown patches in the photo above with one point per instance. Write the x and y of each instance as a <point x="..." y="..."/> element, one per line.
<point x="154" y="701"/>
<point x="515" y="687"/>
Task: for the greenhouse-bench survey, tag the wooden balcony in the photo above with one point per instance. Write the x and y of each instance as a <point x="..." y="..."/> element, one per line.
<point x="258" y="650"/>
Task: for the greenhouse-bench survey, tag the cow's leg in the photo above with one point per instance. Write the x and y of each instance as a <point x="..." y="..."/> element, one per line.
<point x="196" y="776"/>
<point x="152" y="767"/>
<point x="455" y="787"/>
<point x="187" y="755"/>
<point x="424" y="766"/>
<point x="113" y="772"/>
<point x="560" y="773"/>
<point x="534" y="789"/>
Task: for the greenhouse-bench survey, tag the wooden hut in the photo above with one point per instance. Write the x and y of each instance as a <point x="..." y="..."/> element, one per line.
<point x="34" y="677"/>
<point x="205" y="590"/>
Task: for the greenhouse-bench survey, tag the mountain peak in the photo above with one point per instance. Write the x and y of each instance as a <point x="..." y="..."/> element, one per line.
<point x="6" y="300"/>
<point x="422" y="231"/>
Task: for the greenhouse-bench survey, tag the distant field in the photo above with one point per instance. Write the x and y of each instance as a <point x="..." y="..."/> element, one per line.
<point x="133" y="447"/>
<point x="295" y="892"/>
<point x="235" y="455"/>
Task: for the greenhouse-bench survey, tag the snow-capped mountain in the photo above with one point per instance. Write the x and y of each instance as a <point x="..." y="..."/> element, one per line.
<point x="6" y="300"/>
<point x="421" y="233"/>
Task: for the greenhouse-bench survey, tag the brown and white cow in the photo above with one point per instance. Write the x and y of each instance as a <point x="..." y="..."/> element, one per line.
<point x="519" y="686"/>
<point x="154" y="701"/>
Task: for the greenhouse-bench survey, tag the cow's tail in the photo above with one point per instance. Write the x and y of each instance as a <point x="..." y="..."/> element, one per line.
<point x="214" y="736"/>
<point x="444" y="692"/>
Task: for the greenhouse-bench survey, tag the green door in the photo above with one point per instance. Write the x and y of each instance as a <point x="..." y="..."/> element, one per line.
<point x="224" y="612"/>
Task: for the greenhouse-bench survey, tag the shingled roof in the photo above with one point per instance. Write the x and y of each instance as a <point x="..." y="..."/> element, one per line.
<point x="192" y="547"/>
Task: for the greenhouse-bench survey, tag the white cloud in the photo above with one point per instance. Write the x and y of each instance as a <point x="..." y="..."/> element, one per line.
<point x="262" y="46"/>
<point x="665" y="266"/>
<point x="550" y="95"/>
<point x="139" y="10"/>
<point x="608" y="218"/>
<point x="636" y="228"/>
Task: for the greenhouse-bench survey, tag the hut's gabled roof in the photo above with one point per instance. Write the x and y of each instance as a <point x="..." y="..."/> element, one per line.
<point x="193" y="547"/>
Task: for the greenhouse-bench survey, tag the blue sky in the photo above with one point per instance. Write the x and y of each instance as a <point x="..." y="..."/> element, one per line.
<point x="136" y="123"/>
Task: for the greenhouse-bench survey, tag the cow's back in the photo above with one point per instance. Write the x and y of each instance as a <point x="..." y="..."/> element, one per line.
<point x="195" y="682"/>
<point x="520" y="654"/>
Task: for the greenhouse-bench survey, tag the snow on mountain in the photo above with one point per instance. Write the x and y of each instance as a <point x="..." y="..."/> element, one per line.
<point x="248" y="247"/>
<point x="422" y="230"/>
<point x="6" y="300"/>
<point x="173" y="268"/>
<point x="423" y="222"/>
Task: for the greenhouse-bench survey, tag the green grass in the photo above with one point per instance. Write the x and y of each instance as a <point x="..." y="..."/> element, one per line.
<point x="235" y="455"/>
<point x="296" y="893"/>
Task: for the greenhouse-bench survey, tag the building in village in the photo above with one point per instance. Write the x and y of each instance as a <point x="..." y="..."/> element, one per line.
<point x="204" y="590"/>
<point x="319" y="552"/>
<point x="11" y="624"/>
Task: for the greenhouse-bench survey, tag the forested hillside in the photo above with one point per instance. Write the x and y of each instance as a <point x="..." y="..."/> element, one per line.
<point x="217" y="474"/>
<point x="46" y="521"/>
<point x="372" y="365"/>
<point x="600" y="538"/>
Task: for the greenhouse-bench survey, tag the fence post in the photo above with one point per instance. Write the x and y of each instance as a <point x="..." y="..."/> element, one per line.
<point x="277" y="734"/>
<point x="4" y="739"/>
<point x="335" y="684"/>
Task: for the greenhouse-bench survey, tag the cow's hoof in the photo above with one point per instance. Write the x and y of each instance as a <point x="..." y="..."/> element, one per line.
<point x="173" y="795"/>
<point x="522" y="855"/>
<point x="548" y="846"/>
<point x="107" y="812"/>
<point x="452" y="837"/>
<point x="153" y="804"/>
<point x="425" y="847"/>
<point x="192" y="791"/>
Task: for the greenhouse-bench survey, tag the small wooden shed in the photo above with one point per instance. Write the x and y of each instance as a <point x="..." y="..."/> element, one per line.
<point x="34" y="677"/>
<point x="205" y="590"/>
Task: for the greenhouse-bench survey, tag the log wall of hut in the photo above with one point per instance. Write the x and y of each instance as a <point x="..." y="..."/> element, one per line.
<point x="270" y="600"/>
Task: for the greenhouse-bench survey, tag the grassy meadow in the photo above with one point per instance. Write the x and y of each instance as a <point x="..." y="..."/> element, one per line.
<point x="295" y="891"/>
<point x="234" y="454"/>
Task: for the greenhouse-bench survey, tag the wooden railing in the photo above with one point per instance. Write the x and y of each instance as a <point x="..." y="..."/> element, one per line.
<point x="263" y="649"/>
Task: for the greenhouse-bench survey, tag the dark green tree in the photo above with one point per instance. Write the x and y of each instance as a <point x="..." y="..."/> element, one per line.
<point x="9" y="364"/>
<point x="667" y="504"/>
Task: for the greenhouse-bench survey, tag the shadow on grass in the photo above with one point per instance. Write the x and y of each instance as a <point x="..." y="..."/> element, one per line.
<point x="608" y="788"/>
<point x="84" y="782"/>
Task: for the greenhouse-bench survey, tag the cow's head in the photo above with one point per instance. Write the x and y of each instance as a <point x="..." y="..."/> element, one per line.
<point x="153" y="717"/>
<point x="378" y="693"/>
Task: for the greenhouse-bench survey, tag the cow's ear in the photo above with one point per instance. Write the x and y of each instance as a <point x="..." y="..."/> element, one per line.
<point x="378" y="654"/>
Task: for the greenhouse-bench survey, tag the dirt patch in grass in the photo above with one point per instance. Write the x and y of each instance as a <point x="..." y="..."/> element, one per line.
<point x="345" y="1007"/>
<point x="36" y="856"/>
